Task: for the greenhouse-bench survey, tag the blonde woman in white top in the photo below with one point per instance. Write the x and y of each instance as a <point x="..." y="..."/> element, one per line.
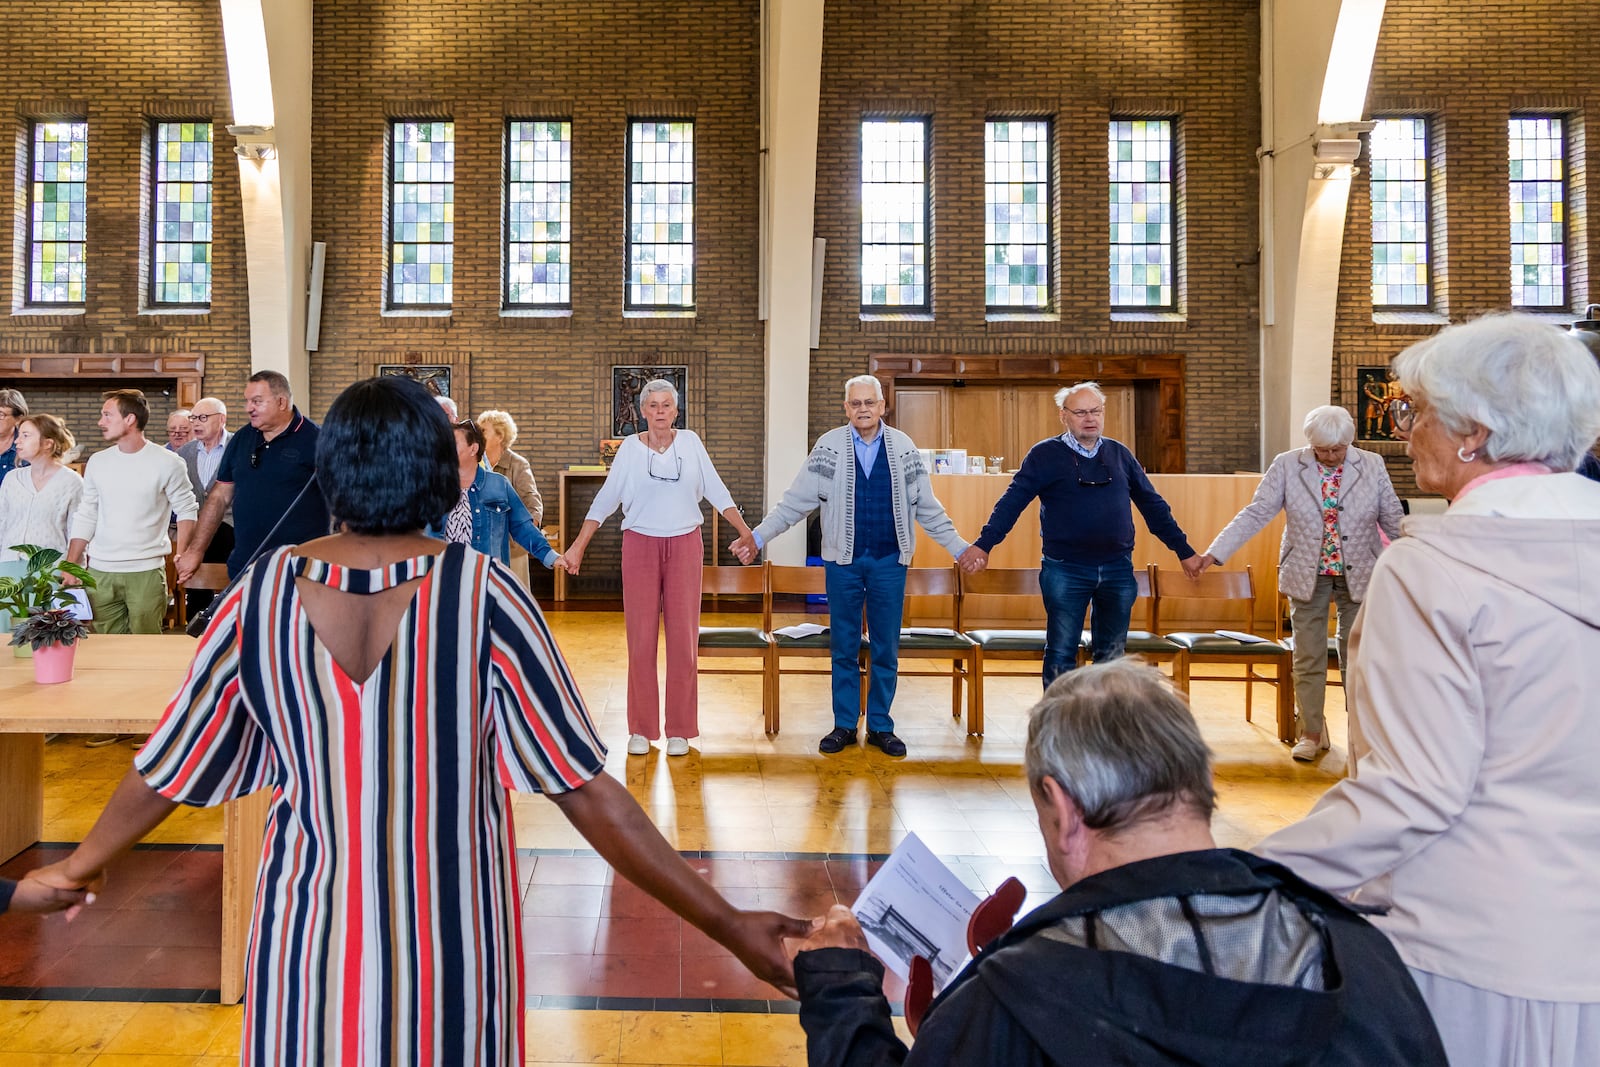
<point x="37" y="501"/>
<point x="658" y="478"/>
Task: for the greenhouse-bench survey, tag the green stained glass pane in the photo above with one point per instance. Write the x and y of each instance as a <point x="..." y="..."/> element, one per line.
<point x="1537" y="149"/>
<point x="1140" y="206"/>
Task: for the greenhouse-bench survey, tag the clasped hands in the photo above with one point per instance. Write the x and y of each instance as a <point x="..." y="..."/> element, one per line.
<point x="1197" y="565"/>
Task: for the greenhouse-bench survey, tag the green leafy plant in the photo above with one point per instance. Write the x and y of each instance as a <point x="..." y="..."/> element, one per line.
<point x="45" y="629"/>
<point x="40" y="588"/>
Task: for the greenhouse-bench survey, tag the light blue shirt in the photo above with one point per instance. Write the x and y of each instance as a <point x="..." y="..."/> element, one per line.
<point x="207" y="460"/>
<point x="866" y="451"/>
<point x="1077" y="445"/>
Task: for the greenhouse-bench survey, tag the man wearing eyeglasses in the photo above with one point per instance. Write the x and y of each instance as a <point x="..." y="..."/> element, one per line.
<point x="202" y="457"/>
<point x="263" y="471"/>
<point x="870" y="482"/>
<point x="1087" y="487"/>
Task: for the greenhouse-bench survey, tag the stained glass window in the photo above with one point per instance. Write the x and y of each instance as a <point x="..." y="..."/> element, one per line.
<point x="538" y="214"/>
<point x="1142" y="244"/>
<point x="421" y="213"/>
<point x="1400" y="260"/>
<point x="1538" y="211"/>
<point x="660" y="214"/>
<point x="59" y="166"/>
<point x="894" y="214"/>
<point x="1016" y="232"/>
<point x="181" y="219"/>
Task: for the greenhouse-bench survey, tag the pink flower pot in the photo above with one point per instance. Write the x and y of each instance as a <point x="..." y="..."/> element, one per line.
<point x="53" y="664"/>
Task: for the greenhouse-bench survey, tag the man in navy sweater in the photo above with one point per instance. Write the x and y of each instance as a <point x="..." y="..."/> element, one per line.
<point x="1087" y="486"/>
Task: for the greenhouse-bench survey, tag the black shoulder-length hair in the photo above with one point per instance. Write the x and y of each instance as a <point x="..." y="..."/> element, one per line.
<point x="386" y="458"/>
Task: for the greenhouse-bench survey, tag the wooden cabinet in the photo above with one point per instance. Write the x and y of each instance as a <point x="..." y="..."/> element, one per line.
<point x="997" y="420"/>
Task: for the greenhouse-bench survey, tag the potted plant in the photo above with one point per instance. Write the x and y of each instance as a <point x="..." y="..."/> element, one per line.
<point x="39" y="587"/>
<point x="53" y="635"/>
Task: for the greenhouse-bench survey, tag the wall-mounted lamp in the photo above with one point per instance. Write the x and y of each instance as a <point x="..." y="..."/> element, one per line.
<point x="1336" y="147"/>
<point x="254" y="142"/>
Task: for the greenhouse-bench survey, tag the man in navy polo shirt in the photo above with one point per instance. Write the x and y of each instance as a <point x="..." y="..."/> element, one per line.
<point x="1087" y="487"/>
<point x="264" y="468"/>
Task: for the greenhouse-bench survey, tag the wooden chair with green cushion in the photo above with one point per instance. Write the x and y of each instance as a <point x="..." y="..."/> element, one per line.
<point x="1148" y="644"/>
<point x="787" y="580"/>
<point x="946" y="643"/>
<point x="1233" y="590"/>
<point x="738" y="642"/>
<point x="998" y="645"/>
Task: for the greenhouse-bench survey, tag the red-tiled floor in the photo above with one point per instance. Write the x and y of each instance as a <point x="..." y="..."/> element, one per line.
<point x="586" y="933"/>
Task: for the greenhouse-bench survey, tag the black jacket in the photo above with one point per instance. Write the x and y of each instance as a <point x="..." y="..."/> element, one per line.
<point x="1032" y="1000"/>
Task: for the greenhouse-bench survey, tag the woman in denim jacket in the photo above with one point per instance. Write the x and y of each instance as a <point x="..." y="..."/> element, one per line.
<point x="489" y="515"/>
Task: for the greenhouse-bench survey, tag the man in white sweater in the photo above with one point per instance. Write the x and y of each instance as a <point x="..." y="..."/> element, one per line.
<point x="129" y="493"/>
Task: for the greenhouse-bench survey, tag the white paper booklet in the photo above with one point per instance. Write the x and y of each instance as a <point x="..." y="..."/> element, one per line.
<point x="801" y="629"/>
<point x="1240" y="635"/>
<point x="916" y="906"/>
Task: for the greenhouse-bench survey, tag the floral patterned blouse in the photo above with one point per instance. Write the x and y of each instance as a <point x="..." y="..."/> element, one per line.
<point x="1332" y="560"/>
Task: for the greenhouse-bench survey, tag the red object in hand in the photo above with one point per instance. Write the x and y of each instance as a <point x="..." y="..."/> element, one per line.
<point x="992" y="917"/>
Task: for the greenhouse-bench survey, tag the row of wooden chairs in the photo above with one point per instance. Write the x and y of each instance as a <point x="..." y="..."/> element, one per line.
<point x="967" y="656"/>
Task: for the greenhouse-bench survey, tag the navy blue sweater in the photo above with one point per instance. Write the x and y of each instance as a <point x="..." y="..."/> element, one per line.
<point x="1089" y="524"/>
<point x="7" y="887"/>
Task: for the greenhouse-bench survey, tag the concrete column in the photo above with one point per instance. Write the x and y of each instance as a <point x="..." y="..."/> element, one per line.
<point x="792" y="35"/>
<point x="269" y="75"/>
<point x="1316" y="62"/>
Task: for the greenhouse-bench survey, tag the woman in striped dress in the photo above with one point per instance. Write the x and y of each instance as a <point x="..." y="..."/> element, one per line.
<point x="389" y="690"/>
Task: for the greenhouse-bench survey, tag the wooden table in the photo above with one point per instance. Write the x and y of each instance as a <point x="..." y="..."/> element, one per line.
<point x="121" y="684"/>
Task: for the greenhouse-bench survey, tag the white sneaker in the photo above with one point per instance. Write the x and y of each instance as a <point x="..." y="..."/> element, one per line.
<point x="1308" y="748"/>
<point x="638" y="745"/>
<point x="677" y="746"/>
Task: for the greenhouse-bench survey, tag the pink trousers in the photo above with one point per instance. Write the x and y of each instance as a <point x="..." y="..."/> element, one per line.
<point x="661" y="581"/>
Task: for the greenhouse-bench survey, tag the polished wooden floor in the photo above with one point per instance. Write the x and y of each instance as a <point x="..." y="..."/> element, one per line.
<point x="767" y="819"/>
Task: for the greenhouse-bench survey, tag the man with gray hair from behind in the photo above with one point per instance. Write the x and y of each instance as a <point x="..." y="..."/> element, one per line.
<point x="1161" y="947"/>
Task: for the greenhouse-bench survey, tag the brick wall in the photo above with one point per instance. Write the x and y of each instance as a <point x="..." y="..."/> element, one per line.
<point x="119" y="63"/>
<point x="597" y="64"/>
<point x="960" y="62"/>
<point x="1468" y="67"/>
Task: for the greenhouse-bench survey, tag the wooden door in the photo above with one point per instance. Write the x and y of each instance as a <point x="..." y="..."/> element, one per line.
<point x="921" y="412"/>
<point x="978" y="420"/>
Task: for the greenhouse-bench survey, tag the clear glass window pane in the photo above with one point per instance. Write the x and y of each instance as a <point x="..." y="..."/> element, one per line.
<point x="538" y="223"/>
<point x="1142" y="223"/>
<point x="59" y="180"/>
<point x="1016" y="230"/>
<point x="180" y="272"/>
<point x="660" y="214"/>
<point x="894" y="214"/>
<point x="1538" y="160"/>
<point x="421" y="213"/>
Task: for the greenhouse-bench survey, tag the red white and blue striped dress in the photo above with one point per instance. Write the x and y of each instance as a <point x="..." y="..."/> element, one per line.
<point x="387" y="927"/>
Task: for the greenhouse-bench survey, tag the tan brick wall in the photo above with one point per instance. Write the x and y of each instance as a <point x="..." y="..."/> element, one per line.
<point x="960" y="62"/>
<point x="118" y="63"/>
<point x="1468" y="66"/>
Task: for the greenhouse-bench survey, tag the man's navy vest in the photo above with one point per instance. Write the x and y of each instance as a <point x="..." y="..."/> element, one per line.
<point x="875" y="533"/>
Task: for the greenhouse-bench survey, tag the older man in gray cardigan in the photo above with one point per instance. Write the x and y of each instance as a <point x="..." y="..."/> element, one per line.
<point x="871" y="483"/>
<point x="1337" y="498"/>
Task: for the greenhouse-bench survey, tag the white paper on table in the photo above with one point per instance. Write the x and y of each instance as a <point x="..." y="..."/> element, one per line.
<point x="916" y="906"/>
<point x="80" y="604"/>
<point x="801" y="629"/>
<point x="1240" y="635"/>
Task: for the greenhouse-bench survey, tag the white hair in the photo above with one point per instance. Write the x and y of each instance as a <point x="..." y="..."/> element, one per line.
<point x="449" y="408"/>
<point x="657" y="385"/>
<point x="1329" y="427"/>
<point x="1533" y="387"/>
<point x="222" y="409"/>
<point x="1082" y="387"/>
<point x="864" y="379"/>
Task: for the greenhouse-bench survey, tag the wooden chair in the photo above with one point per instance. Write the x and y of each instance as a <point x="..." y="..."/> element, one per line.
<point x="999" y="645"/>
<point x="946" y="643"/>
<point x="784" y="580"/>
<point x="1149" y="645"/>
<point x="1236" y="590"/>
<point x="1333" y="638"/>
<point x="994" y="915"/>
<point x="176" y="617"/>
<point x="738" y="642"/>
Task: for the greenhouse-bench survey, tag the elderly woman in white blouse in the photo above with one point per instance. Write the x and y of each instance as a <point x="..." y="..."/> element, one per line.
<point x="1336" y="498"/>
<point x="1473" y="808"/>
<point x="37" y="501"/>
<point x="658" y="478"/>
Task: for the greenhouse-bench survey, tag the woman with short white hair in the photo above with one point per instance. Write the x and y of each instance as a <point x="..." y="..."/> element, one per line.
<point x="1473" y="808"/>
<point x="499" y="435"/>
<point x="1336" y="499"/>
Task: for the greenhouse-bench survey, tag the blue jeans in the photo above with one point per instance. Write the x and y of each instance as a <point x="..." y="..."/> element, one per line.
<point x="1068" y="589"/>
<point x="879" y="585"/>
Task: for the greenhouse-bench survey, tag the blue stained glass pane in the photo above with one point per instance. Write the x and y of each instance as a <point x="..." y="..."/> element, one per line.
<point x="59" y="172"/>
<point x="1142" y="252"/>
<point x="421" y="195"/>
<point x="1537" y="163"/>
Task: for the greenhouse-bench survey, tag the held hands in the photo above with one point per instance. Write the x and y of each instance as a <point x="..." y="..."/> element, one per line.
<point x="1196" y="565"/>
<point x="36" y="895"/>
<point x="744" y="549"/>
<point x="973" y="560"/>
<point x="760" y="939"/>
<point x="837" y="929"/>
<point x="570" y="560"/>
<point x="187" y="563"/>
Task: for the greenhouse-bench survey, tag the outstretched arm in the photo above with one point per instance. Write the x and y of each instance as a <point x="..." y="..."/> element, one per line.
<point x="133" y="811"/>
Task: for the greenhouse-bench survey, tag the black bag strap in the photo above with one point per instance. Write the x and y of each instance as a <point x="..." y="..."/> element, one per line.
<point x="202" y="618"/>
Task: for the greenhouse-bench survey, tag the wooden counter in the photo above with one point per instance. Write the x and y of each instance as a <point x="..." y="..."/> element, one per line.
<point x="1202" y="503"/>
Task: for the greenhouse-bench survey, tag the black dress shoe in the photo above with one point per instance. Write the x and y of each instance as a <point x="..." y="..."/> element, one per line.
<point x="836" y="741"/>
<point x="891" y="745"/>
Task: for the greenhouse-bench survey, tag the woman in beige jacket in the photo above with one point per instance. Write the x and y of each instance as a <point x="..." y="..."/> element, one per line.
<point x="1473" y="809"/>
<point x="1336" y="498"/>
<point x="499" y="434"/>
